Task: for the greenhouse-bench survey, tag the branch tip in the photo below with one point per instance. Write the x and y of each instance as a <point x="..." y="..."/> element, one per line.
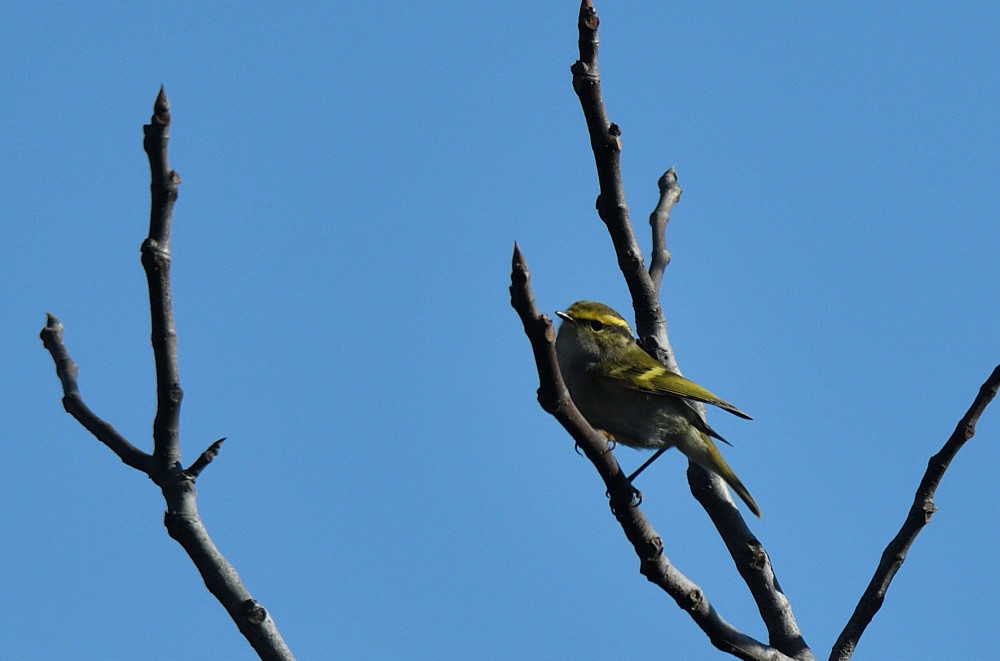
<point x="668" y="180"/>
<point x="518" y="259"/>
<point x="161" y="109"/>
<point x="588" y="15"/>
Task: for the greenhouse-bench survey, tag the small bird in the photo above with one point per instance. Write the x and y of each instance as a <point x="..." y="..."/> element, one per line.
<point x="622" y="390"/>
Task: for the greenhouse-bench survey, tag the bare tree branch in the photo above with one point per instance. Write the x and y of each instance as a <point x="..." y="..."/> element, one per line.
<point x="748" y="553"/>
<point x="654" y="565"/>
<point x="605" y="138"/>
<point x="920" y="514"/>
<point x="754" y="565"/>
<point x="181" y="519"/>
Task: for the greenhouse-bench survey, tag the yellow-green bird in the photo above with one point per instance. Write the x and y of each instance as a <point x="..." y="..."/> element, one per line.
<point x="621" y="389"/>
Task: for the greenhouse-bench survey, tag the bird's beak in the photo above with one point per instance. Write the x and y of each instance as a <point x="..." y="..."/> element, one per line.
<point x="563" y="315"/>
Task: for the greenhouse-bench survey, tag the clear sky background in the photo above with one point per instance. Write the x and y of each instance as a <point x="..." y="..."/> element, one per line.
<point x="354" y="177"/>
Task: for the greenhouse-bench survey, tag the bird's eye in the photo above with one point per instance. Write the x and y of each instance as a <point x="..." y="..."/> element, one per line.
<point x="596" y="325"/>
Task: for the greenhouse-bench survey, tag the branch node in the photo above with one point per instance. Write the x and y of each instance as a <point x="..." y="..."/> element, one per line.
<point x="652" y="548"/>
<point x="693" y="600"/>
<point x="758" y="556"/>
<point x="253" y="611"/>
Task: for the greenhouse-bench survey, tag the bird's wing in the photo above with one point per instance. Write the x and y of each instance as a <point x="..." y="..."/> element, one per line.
<point x="650" y="376"/>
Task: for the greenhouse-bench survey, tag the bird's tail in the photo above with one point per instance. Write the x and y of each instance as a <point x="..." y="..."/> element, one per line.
<point x="707" y="455"/>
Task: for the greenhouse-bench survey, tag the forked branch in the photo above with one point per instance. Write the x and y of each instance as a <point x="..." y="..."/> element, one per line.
<point x="654" y="565"/>
<point x="605" y="138"/>
<point x="163" y="465"/>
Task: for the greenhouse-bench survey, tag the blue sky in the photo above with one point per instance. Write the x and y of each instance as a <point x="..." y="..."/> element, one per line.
<point x="354" y="177"/>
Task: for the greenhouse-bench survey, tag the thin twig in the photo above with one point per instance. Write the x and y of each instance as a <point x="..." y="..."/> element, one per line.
<point x="670" y="194"/>
<point x="919" y="516"/>
<point x="66" y="369"/>
<point x="155" y="250"/>
<point x="204" y="459"/>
